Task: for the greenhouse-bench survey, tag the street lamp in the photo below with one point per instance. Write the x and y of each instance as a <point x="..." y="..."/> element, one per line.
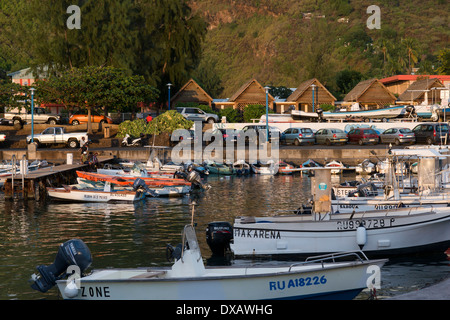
<point x="267" y="113"/>
<point x="169" y="85"/>
<point x="313" y="86"/>
<point x="32" y="114"/>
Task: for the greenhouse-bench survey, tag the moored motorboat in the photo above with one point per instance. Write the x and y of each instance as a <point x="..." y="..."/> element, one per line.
<point x="388" y="230"/>
<point x="219" y="168"/>
<point x="107" y="194"/>
<point x="336" y="166"/>
<point x="188" y="278"/>
<point x="285" y="168"/>
<point x="268" y="168"/>
<point x="241" y="168"/>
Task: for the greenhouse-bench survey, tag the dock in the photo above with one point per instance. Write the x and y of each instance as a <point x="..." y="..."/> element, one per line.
<point x="33" y="184"/>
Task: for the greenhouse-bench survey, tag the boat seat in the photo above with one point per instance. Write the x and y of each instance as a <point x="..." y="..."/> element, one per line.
<point x="149" y="274"/>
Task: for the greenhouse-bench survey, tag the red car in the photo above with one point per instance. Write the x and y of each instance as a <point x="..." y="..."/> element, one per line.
<point x="363" y="135"/>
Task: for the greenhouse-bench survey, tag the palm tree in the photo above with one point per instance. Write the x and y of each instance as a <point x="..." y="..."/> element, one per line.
<point x="410" y="45"/>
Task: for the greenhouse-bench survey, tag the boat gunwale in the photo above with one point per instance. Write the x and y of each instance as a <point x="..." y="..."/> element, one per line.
<point x="206" y="277"/>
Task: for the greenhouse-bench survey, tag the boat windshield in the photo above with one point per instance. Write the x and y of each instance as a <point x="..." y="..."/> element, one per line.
<point x="190" y="239"/>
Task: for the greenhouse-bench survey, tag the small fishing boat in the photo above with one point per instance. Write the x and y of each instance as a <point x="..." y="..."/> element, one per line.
<point x="127" y="180"/>
<point x="107" y="194"/>
<point x="189" y="279"/>
<point x="242" y="168"/>
<point x="400" y="167"/>
<point x="365" y="167"/>
<point x="336" y="165"/>
<point x="268" y="168"/>
<point x="160" y="191"/>
<point x="285" y="168"/>
<point x="219" y="168"/>
<point x="309" y="164"/>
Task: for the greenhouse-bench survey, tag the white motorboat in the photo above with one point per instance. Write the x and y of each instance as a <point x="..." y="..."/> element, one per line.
<point x="269" y="168"/>
<point x="382" y="113"/>
<point x="321" y="230"/>
<point x="376" y="233"/>
<point x="107" y="194"/>
<point x="189" y="279"/>
<point x="336" y="165"/>
<point x="365" y="167"/>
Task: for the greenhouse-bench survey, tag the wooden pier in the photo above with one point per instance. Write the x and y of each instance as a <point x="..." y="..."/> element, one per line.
<point x="33" y="185"/>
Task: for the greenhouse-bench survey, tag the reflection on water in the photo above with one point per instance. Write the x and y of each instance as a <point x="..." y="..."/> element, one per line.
<point x="136" y="235"/>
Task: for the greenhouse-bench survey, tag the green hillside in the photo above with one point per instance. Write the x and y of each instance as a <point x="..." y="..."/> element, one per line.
<point x="284" y="42"/>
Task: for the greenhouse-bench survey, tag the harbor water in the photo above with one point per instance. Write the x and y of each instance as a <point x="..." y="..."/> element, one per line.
<point x="136" y="235"/>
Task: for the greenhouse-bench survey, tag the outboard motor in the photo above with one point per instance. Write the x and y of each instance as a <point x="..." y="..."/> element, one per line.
<point x="193" y="177"/>
<point x="72" y="252"/>
<point x="140" y="185"/>
<point x="219" y="235"/>
<point x="320" y="114"/>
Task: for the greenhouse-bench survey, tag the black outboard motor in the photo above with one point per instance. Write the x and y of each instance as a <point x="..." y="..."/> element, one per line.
<point x="193" y="177"/>
<point x="219" y="235"/>
<point x="320" y="115"/>
<point x="72" y="252"/>
<point x="141" y="186"/>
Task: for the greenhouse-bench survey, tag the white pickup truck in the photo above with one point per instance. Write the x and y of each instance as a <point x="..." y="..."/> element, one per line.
<point x="58" y="135"/>
<point x="40" y="116"/>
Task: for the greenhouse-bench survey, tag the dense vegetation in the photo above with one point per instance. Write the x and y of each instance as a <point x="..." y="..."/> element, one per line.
<point x="285" y="42"/>
<point x="224" y="43"/>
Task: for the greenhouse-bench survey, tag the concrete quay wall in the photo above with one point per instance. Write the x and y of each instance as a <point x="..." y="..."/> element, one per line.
<point x="348" y="155"/>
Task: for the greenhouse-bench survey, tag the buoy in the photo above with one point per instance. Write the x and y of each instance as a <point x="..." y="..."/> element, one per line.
<point x="361" y="237"/>
<point x="71" y="289"/>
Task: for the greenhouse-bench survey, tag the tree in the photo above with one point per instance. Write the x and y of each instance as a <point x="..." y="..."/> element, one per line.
<point x="100" y="88"/>
<point x="346" y="80"/>
<point x="160" y="40"/>
<point x="444" y="61"/>
<point x="410" y="46"/>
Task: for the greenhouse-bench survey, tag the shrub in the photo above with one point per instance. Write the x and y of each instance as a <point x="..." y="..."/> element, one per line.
<point x="166" y="122"/>
<point x="254" y="111"/>
<point x="231" y="114"/>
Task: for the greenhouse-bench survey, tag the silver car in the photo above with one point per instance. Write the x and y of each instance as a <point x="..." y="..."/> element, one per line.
<point x="398" y="136"/>
<point x="297" y="136"/>
<point x="331" y="136"/>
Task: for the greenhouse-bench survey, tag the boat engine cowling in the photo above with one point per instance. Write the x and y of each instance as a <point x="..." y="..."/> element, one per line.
<point x="72" y="252"/>
<point x="219" y="235"/>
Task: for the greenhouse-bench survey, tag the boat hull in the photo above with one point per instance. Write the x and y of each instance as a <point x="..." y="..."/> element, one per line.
<point x="388" y="233"/>
<point x="67" y="194"/>
<point x="336" y="281"/>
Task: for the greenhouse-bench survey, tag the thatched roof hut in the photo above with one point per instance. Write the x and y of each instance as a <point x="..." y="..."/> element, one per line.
<point x="192" y="92"/>
<point x="302" y="97"/>
<point x="422" y="90"/>
<point x="370" y="94"/>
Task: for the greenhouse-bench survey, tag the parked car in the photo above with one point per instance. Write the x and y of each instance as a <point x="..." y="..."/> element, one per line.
<point x="254" y="132"/>
<point x="431" y="132"/>
<point x="397" y="136"/>
<point x="197" y="114"/>
<point x="58" y="135"/>
<point x="330" y="136"/>
<point x="228" y="135"/>
<point x="82" y="117"/>
<point x="40" y="115"/>
<point x="2" y="137"/>
<point x="363" y="135"/>
<point x="297" y="136"/>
